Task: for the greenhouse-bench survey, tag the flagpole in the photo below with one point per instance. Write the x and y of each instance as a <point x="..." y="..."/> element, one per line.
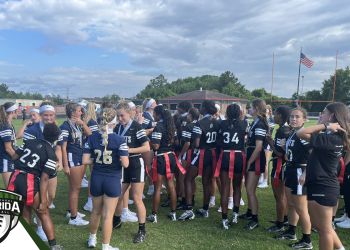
<point x="299" y="74"/>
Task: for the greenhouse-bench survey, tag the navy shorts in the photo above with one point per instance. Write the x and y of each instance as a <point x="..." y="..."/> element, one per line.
<point x="75" y="160"/>
<point x="111" y="186"/>
<point x="53" y="176"/>
<point x="7" y="166"/>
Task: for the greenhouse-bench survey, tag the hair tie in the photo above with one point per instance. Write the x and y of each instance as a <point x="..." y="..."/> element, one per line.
<point x="165" y="109"/>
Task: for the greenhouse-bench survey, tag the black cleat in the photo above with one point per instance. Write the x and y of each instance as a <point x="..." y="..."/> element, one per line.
<point x="314" y="230"/>
<point x="202" y="212"/>
<point x="140" y="237"/>
<point x="245" y="216"/>
<point x="166" y="203"/>
<point x="181" y="207"/>
<point x="274" y="229"/>
<point x="251" y="225"/>
<point x="286" y="223"/>
<point x="117" y="224"/>
<point x="301" y="245"/>
<point x="286" y="236"/>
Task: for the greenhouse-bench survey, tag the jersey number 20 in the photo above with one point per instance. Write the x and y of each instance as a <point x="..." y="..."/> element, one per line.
<point x="211" y="137"/>
<point x="106" y="156"/>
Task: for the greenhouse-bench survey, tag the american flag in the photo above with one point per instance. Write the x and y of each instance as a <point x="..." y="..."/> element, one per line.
<point x="306" y="61"/>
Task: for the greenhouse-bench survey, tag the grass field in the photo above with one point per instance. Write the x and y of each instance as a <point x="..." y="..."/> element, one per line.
<point x="199" y="233"/>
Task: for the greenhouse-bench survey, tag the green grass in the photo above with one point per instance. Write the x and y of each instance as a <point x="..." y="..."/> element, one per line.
<point x="199" y="233"/>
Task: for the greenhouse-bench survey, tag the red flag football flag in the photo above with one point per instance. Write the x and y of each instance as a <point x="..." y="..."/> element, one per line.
<point x="306" y="61"/>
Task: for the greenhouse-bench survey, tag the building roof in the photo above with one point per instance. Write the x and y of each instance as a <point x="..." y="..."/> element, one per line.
<point x="203" y="95"/>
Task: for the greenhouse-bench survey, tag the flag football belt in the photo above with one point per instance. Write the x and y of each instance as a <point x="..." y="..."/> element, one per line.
<point x="130" y="156"/>
<point x="278" y="169"/>
<point x="232" y="163"/>
<point x="342" y="171"/>
<point x="201" y="159"/>
<point x="167" y="165"/>
<point x="30" y="185"/>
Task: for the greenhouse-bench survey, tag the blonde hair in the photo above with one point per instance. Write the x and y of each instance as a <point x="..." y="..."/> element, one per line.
<point x="270" y="109"/>
<point x="139" y="108"/>
<point x="108" y="114"/>
<point x="4" y="116"/>
<point x="125" y="105"/>
<point x="90" y="112"/>
<point x="145" y="103"/>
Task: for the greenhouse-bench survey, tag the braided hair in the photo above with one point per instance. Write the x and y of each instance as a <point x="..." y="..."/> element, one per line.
<point x="107" y="115"/>
<point x="233" y="113"/>
<point x="168" y="122"/>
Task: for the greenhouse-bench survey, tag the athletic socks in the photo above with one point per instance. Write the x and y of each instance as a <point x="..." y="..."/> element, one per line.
<point x="193" y="198"/>
<point x="52" y="242"/>
<point x="285" y="218"/>
<point x="205" y="207"/>
<point x="154" y="213"/>
<point x="73" y="218"/>
<point x="93" y="236"/>
<point x="279" y="224"/>
<point x="249" y="212"/>
<point x="212" y="199"/>
<point x="307" y="238"/>
<point x="183" y="201"/>
<point x="142" y="227"/>
<point x="173" y="211"/>
<point x="230" y="199"/>
<point x="224" y="216"/>
<point x="236" y="209"/>
<point x="255" y="217"/>
<point x="125" y="210"/>
<point x="333" y="218"/>
<point x="291" y="229"/>
<point x="189" y="207"/>
<point x="105" y="246"/>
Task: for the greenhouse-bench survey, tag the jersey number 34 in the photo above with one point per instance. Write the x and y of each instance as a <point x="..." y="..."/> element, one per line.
<point x="227" y="138"/>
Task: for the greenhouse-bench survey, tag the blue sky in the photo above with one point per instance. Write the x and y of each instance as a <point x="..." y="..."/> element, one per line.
<point x="103" y="47"/>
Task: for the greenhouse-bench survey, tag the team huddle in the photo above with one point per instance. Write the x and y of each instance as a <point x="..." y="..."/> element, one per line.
<point x="127" y="145"/>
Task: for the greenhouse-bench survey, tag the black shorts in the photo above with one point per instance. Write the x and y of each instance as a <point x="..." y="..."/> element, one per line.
<point x="21" y="185"/>
<point x="323" y="195"/>
<point x="135" y="173"/>
<point x="225" y="163"/>
<point x="207" y="159"/>
<point x="161" y="164"/>
<point x="274" y="168"/>
<point x="292" y="175"/>
<point x="53" y="176"/>
<point x="261" y="160"/>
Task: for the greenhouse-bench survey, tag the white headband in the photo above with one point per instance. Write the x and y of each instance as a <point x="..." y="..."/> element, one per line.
<point x="47" y="108"/>
<point x="150" y="102"/>
<point x="218" y="106"/>
<point x="114" y="121"/>
<point x="36" y="110"/>
<point x="267" y="110"/>
<point x="240" y="107"/>
<point x="131" y="104"/>
<point x="82" y="104"/>
<point x="12" y="108"/>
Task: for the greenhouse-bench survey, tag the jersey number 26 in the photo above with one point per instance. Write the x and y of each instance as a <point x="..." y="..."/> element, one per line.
<point x="106" y="156"/>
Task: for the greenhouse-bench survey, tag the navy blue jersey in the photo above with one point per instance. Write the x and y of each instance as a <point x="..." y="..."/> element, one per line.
<point x="134" y="137"/>
<point x="74" y="143"/>
<point x="207" y="130"/>
<point x="93" y="126"/>
<point x="148" y="121"/>
<point x="233" y="137"/>
<point x="7" y="134"/>
<point x="159" y="136"/>
<point x="98" y="120"/>
<point x="36" y="156"/>
<point x="106" y="162"/>
<point x="35" y="132"/>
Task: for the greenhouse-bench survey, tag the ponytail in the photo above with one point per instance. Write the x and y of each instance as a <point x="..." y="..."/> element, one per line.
<point x="168" y="122"/>
<point x="107" y="115"/>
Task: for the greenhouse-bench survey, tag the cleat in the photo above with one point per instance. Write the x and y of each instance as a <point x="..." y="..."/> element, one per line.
<point x="251" y="225"/>
<point x="286" y="223"/>
<point x="78" y="222"/>
<point x="172" y="216"/>
<point x="245" y="216"/>
<point x="274" y="229"/>
<point x="314" y="230"/>
<point x="333" y="226"/>
<point x="152" y="218"/>
<point x="235" y="218"/>
<point x="88" y="207"/>
<point x="286" y="236"/>
<point x="140" y="237"/>
<point x="56" y="247"/>
<point x="344" y="224"/>
<point x="143" y="197"/>
<point x="301" y="245"/>
<point x="180" y="207"/>
<point x="225" y="224"/>
<point x="166" y="203"/>
<point x="130" y="202"/>
<point x="341" y="219"/>
<point x="263" y="185"/>
<point x="202" y="212"/>
<point x="188" y="215"/>
<point x="52" y="206"/>
<point x="92" y="242"/>
<point x="42" y="235"/>
<point x="211" y="204"/>
<point x="241" y="202"/>
<point x="132" y="213"/>
<point x="78" y="215"/>
<point x="220" y="210"/>
<point x="117" y="224"/>
<point x="128" y="217"/>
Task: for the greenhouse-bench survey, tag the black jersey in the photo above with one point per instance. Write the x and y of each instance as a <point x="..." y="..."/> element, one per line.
<point x="184" y="120"/>
<point x="159" y="136"/>
<point x="297" y="150"/>
<point x="134" y="137"/>
<point x="327" y="150"/>
<point x="280" y="135"/>
<point x="187" y="133"/>
<point x="257" y="132"/>
<point x="207" y="130"/>
<point x="36" y="156"/>
<point x="232" y="137"/>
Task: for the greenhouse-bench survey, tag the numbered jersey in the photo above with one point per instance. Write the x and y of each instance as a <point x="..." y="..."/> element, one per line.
<point x="298" y="150"/>
<point x="134" y="137"/>
<point x="184" y="120"/>
<point x="74" y="142"/>
<point x="207" y="130"/>
<point x="36" y="156"/>
<point x="7" y="134"/>
<point x="232" y="138"/>
<point x="106" y="162"/>
<point x="159" y="136"/>
<point x="280" y="135"/>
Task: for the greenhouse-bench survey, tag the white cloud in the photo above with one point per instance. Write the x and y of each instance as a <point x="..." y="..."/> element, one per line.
<point x="104" y="56"/>
<point x="10" y="64"/>
<point x="187" y="38"/>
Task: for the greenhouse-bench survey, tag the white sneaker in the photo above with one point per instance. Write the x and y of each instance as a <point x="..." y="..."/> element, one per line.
<point x="241" y="202"/>
<point x="230" y="205"/>
<point x="127" y="217"/>
<point x="261" y="178"/>
<point x="263" y="185"/>
<point x="212" y="204"/>
<point x="150" y="190"/>
<point x="235" y="218"/>
<point x="163" y="187"/>
<point x="78" y="222"/>
<point x="110" y="248"/>
<point x="132" y="213"/>
<point x="79" y="215"/>
<point x="143" y="196"/>
<point x="344" y="224"/>
<point x="130" y="202"/>
<point x="42" y="235"/>
<point x="220" y="210"/>
<point x="52" y="206"/>
<point x="88" y="206"/>
<point x="92" y="241"/>
<point x="341" y="219"/>
<point x="84" y="184"/>
<point x="35" y="220"/>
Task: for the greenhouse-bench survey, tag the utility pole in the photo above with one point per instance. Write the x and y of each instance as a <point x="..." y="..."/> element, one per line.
<point x="67" y="94"/>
